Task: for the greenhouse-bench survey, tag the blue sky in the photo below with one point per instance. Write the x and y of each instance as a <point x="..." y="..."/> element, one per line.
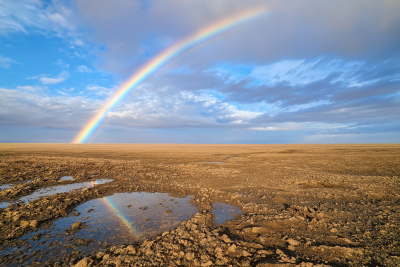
<point x="305" y="72"/>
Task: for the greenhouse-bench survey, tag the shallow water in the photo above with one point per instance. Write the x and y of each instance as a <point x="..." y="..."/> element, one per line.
<point x="6" y="186"/>
<point x="224" y="212"/>
<point x="48" y="191"/>
<point x="109" y="219"/>
<point x="4" y="204"/>
<point x="67" y="178"/>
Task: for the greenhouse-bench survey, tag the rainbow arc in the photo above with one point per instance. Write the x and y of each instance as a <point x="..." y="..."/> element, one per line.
<point x="161" y="59"/>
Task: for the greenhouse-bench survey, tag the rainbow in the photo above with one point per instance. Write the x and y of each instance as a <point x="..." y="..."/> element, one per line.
<point x="157" y="62"/>
<point x="107" y="201"/>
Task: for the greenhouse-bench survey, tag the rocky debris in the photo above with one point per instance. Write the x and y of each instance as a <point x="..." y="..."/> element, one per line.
<point x="303" y="196"/>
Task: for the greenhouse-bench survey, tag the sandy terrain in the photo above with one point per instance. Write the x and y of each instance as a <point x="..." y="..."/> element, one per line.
<point x="303" y="205"/>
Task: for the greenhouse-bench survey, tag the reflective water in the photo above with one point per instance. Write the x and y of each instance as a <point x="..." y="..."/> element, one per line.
<point x="67" y="178"/>
<point x="48" y="191"/>
<point x="5" y="186"/>
<point x="224" y="212"/>
<point x="117" y="219"/>
<point x="4" y="204"/>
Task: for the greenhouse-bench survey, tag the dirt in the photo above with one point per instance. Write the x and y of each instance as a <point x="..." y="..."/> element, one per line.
<point x="302" y="205"/>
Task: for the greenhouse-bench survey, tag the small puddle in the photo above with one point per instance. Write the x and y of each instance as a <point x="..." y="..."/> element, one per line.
<point x="8" y="186"/>
<point x="118" y="219"/>
<point x="48" y="191"/>
<point x="4" y="204"/>
<point x="67" y="178"/>
<point x="224" y="212"/>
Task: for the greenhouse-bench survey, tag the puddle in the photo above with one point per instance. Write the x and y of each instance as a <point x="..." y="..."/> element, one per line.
<point x="48" y="191"/>
<point x="118" y="219"/>
<point x="67" y="178"/>
<point x="8" y="186"/>
<point x="224" y="212"/>
<point x="4" y="204"/>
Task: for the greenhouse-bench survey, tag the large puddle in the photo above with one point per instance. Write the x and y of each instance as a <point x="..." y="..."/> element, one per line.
<point x="117" y="219"/>
<point x="122" y="218"/>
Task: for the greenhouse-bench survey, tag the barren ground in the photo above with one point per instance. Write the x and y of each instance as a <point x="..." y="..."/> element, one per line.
<point x="303" y="205"/>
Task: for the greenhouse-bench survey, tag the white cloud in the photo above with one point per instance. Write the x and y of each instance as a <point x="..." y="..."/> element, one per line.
<point x="61" y="63"/>
<point x="44" y="79"/>
<point x="100" y="90"/>
<point x="279" y="127"/>
<point x="6" y="62"/>
<point x="83" y="68"/>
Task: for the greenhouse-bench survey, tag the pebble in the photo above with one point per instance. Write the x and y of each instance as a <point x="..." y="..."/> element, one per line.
<point x="76" y="225"/>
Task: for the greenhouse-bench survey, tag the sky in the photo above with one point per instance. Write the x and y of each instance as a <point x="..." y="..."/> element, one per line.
<point x="305" y="71"/>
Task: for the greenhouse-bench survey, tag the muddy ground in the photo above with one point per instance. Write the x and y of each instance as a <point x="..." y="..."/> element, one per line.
<point x="302" y="205"/>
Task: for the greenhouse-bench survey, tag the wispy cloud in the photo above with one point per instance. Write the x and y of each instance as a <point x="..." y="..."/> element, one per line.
<point x="31" y="88"/>
<point x="61" y="63"/>
<point x="6" y="62"/>
<point x="84" y="69"/>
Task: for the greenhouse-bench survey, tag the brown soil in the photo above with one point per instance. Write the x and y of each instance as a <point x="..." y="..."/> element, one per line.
<point x="303" y="205"/>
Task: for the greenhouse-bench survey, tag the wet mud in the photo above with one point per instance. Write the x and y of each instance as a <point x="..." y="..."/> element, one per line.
<point x="172" y="205"/>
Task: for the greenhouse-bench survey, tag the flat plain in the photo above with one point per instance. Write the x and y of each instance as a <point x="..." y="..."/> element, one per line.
<point x="301" y="205"/>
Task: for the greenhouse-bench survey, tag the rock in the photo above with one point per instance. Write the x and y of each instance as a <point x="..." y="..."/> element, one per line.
<point x="130" y="249"/>
<point x="208" y="263"/>
<point x="85" y="262"/>
<point x="189" y="256"/>
<point x="226" y="239"/>
<point x="333" y="230"/>
<point x="145" y="208"/>
<point x="168" y="211"/>
<point x="100" y="255"/>
<point x="246" y="253"/>
<point x="76" y="225"/>
<point x="256" y="230"/>
<point x="34" y="223"/>
<point x="232" y="248"/>
<point x="24" y="224"/>
<point x="245" y="263"/>
<point x="293" y="242"/>
<point x="16" y="218"/>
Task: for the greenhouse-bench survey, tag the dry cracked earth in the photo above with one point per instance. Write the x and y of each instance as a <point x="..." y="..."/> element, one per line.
<point x="302" y="205"/>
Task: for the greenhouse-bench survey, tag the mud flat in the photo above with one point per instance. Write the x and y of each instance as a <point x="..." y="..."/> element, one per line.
<point x="199" y="205"/>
